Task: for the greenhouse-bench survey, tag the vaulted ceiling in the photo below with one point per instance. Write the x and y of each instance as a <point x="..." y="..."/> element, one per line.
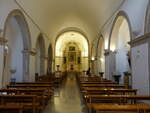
<point x="54" y="15"/>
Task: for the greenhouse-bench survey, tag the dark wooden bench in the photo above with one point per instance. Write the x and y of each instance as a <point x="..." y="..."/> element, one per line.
<point x="105" y="108"/>
<point x="11" y="108"/>
<point x="92" y="79"/>
<point x="29" y="102"/>
<point x="119" y="99"/>
<point x="32" y="83"/>
<point x="103" y="85"/>
<point x="41" y="93"/>
<point x="98" y="82"/>
<point x="108" y="91"/>
<point x="48" y="87"/>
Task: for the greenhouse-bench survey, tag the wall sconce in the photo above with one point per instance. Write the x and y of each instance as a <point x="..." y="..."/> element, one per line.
<point x="93" y="58"/>
<point x="112" y="48"/>
<point x="102" y="59"/>
<point x="114" y="51"/>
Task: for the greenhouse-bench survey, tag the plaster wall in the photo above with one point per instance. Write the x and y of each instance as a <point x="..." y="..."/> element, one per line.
<point x="140" y="68"/>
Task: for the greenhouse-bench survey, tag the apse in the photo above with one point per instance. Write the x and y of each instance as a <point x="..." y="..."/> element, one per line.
<point x="78" y="41"/>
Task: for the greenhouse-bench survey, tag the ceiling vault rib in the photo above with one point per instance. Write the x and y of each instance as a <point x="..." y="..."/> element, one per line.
<point x="111" y="17"/>
<point x="19" y="5"/>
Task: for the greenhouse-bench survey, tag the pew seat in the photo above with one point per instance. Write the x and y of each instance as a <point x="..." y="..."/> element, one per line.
<point x="29" y="102"/>
<point x="107" y="91"/>
<point x="103" y="85"/>
<point x="119" y="99"/>
<point x="39" y="92"/>
<point x="32" y="83"/>
<point x="11" y="108"/>
<point x="104" y="108"/>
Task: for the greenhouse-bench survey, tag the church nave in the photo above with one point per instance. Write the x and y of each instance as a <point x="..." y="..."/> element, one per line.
<point x="75" y="56"/>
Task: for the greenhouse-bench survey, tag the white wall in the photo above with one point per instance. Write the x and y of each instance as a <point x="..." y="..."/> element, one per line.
<point x="140" y="69"/>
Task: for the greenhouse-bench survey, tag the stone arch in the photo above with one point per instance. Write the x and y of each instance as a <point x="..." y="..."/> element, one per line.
<point x="40" y="56"/>
<point x="118" y="45"/>
<point x="16" y="31"/>
<point x="125" y="16"/>
<point x="97" y="53"/>
<point x="76" y="31"/>
<point x="100" y="54"/>
<point x="147" y="19"/>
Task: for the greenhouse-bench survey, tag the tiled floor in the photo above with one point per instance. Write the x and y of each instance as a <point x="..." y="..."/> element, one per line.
<point x="68" y="100"/>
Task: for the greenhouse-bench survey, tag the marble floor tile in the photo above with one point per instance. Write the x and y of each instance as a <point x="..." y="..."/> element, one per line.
<point x="67" y="100"/>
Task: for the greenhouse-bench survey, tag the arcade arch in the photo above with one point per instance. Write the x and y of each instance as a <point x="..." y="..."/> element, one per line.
<point x="119" y="47"/>
<point x="16" y="51"/>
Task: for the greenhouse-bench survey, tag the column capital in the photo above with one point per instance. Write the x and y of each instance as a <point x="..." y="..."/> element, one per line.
<point x="46" y="57"/>
<point x="3" y="41"/>
<point x="31" y="52"/>
<point x="106" y="52"/>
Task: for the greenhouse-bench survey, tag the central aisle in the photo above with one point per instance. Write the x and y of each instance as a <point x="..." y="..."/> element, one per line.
<point x="68" y="101"/>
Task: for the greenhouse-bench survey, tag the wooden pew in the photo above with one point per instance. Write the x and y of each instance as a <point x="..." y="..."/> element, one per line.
<point x="36" y="91"/>
<point x="11" y="109"/>
<point x="108" y="91"/>
<point x="32" y="83"/>
<point x="103" y="85"/>
<point x="29" y="102"/>
<point x="97" y="82"/>
<point x="91" y="79"/>
<point x="46" y="78"/>
<point x="41" y="93"/>
<point x="120" y="99"/>
<point x="99" y="108"/>
<point x="49" y="87"/>
<point x="98" y="91"/>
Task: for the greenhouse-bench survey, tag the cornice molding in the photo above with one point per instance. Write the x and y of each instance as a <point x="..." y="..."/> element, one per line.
<point x="31" y="52"/>
<point x="3" y="41"/>
<point x="109" y="52"/>
<point x="140" y="40"/>
<point x="46" y="58"/>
